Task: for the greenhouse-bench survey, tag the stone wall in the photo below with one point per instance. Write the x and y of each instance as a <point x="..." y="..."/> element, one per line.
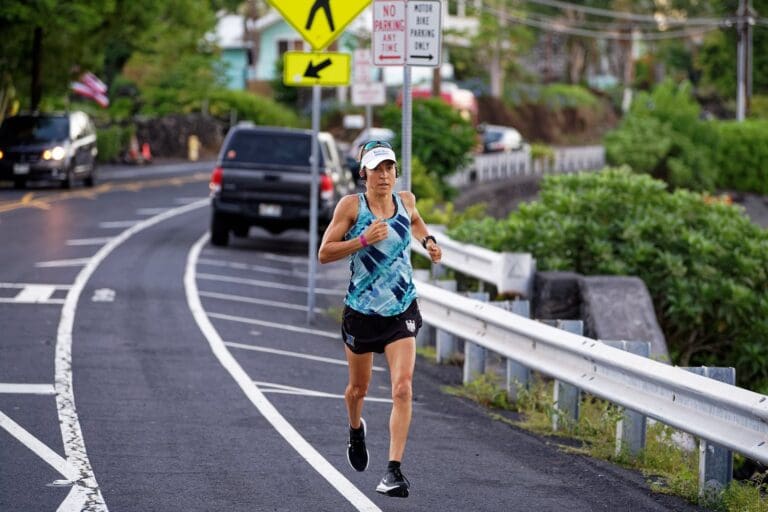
<point x="168" y="135"/>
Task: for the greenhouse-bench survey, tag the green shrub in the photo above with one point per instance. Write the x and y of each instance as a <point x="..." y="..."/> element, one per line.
<point x="663" y="136"/>
<point x="553" y="96"/>
<point x="424" y="184"/>
<point x="112" y="141"/>
<point x="758" y="106"/>
<point x="742" y="156"/>
<point x="441" y="138"/>
<point x="251" y="107"/>
<point x="705" y="264"/>
<point x="557" y="96"/>
<point x="542" y="152"/>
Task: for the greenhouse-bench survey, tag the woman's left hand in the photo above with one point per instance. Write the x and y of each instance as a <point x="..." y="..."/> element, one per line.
<point x="435" y="253"/>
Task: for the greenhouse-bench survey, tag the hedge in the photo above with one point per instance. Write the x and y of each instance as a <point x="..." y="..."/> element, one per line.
<point x="742" y="156"/>
<point x="251" y="107"/>
<point x="704" y="262"/>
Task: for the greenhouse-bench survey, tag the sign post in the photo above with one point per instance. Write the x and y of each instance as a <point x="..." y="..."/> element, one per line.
<point x="319" y="22"/>
<point x="424" y="37"/>
<point x="388" y="33"/>
<point x="407" y="33"/>
<point x="364" y="91"/>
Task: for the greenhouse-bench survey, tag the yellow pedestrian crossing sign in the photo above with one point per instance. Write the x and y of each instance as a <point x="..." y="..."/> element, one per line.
<point x="305" y="69"/>
<point x="319" y="21"/>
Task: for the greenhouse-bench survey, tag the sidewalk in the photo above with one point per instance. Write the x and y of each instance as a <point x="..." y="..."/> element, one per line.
<point x="756" y="207"/>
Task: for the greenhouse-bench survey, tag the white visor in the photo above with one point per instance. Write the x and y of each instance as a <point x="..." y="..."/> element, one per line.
<point x="377" y="155"/>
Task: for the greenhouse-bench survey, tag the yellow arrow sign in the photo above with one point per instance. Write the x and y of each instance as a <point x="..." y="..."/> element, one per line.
<point x="305" y="69"/>
<point x="319" y="21"/>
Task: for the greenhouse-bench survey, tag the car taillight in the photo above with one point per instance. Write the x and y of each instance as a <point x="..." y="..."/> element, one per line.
<point x="326" y="187"/>
<point x="216" y="175"/>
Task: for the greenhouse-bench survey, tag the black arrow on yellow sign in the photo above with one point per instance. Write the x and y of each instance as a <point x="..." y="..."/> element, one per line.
<point x="313" y="70"/>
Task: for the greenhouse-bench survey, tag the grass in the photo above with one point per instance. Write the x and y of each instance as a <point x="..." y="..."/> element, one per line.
<point x="667" y="467"/>
<point x="334" y="313"/>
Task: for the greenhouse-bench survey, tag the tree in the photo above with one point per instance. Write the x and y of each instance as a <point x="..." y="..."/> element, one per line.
<point x="442" y="138"/>
<point x="499" y="40"/>
<point x="45" y="41"/>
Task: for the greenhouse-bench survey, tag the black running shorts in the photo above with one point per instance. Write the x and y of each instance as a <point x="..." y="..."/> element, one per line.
<point x="371" y="333"/>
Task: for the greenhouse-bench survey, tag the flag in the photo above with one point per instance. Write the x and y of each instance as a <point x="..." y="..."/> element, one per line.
<point x="92" y="88"/>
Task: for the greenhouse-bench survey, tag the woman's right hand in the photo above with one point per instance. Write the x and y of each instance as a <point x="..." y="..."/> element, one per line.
<point x="376" y="231"/>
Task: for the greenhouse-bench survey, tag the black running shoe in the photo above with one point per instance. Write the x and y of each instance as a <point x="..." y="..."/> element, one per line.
<point x="394" y="484"/>
<point x="357" y="453"/>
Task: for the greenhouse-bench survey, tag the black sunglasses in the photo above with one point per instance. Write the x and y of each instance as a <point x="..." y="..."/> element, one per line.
<point x="371" y="144"/>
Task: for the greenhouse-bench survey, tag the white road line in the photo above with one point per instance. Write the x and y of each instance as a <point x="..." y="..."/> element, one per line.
<point x="187" y="200"/>
<point x="74" y="444"/>
<point x="262" y="302"/>
<point x="256" y="268"/>
<point x="53" y="459"/>
<point x="118" y="224"/>
<point x="88" y="241"/>
<point x="47" y="302"/>
<point x="23" y="285"/>
<point x="78" y="262"/>
<point x="268" y="387"/>
<point x="35" y="293"/>
<point x="151" y="211"/>
<point x="282" y="258"/>
<point x="27" y="389"/>
<point x="265" y="407"/>
<point x="292" y="354"/>
<point x="268" y="284"/>
<point x="292" y="328"/>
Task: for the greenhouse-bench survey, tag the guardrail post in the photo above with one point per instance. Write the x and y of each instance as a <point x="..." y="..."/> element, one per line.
<point x="474" y="354"/>
<point x="715" y="461"/>
<point x="630" y="430"/>
<point x="565" y="396"/>
<point x="446" y="344"/>
<point x="517" y="374"/>
<point x="426" y="335"/>
<point x="438" y="271"/>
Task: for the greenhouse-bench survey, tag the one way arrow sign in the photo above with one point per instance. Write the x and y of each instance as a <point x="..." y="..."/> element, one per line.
<point x="308" y="69"/>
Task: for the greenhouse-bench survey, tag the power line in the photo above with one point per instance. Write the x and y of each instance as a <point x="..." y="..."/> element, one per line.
<point x="648" y="18"/>
<point x="588" y="24"/>
<point x="562" y="28"/>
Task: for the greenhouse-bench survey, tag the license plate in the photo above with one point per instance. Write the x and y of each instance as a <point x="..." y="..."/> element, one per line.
<point x="270" y="210"/>
<point x="20" y="168"/>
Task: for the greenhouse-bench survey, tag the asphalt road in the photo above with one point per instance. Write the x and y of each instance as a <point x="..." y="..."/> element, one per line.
<point x="142" y="369"/>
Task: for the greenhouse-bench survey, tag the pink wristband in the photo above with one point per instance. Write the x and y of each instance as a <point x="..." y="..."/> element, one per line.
<point x="363" y="241"/>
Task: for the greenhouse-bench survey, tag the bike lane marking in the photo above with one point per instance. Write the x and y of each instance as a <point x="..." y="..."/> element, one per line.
<point x="356" y="497"/>
<point x="85" y="493"/>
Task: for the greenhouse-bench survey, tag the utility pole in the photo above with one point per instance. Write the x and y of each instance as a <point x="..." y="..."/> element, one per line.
<point x="744" y="22"/>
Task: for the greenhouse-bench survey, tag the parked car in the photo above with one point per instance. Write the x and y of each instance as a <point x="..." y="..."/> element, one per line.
<point x="52" y="147"/>
<point x="501" y="139"/>
<point x="340" y="172"/>
<point x="263" y="178"/>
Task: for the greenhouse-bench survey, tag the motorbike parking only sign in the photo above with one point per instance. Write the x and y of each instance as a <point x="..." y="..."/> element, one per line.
<point x="424" y="33"/>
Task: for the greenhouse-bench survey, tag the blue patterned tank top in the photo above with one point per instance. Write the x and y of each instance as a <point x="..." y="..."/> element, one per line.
<point x="382" y="277"/>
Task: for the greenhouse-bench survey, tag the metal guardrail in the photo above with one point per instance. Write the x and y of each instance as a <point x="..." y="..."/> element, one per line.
<point x="500" y="166"/>
<point x="509" y="272"/>
<point x="728" y="415"/>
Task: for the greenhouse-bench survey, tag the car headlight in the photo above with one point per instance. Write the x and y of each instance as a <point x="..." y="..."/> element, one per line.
<point x="1" y="154"/>
<point x="56" y="153"/>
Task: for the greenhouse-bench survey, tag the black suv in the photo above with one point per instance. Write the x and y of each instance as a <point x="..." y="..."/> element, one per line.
<point x="263" y="177"/>
<point x="57" y="147"/>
